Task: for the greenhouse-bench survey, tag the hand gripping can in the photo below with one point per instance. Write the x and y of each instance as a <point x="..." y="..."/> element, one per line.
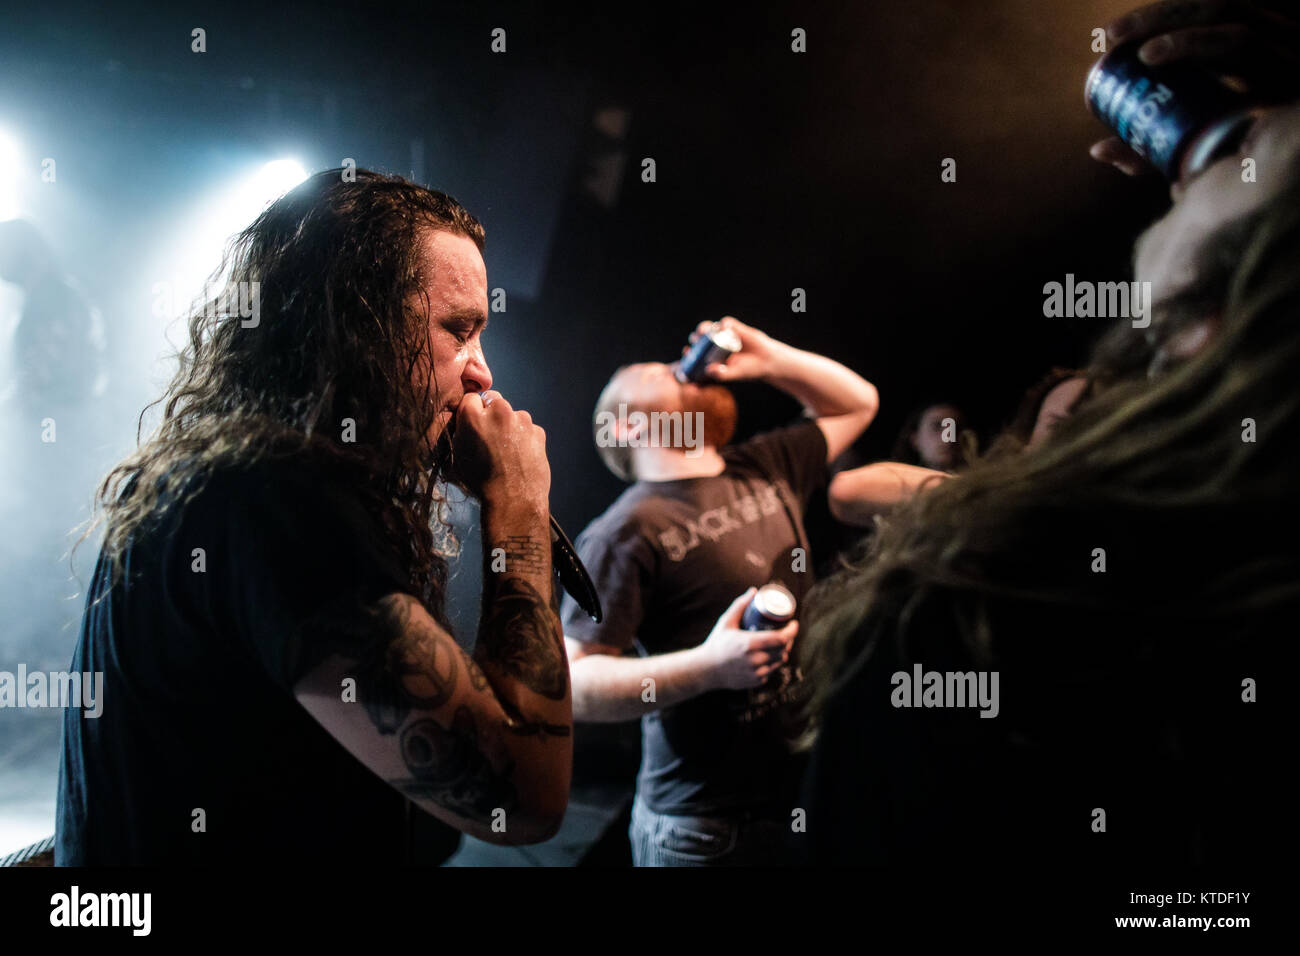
<point x="1176" y="117"/>
<point x="716" y="345"/>
<point x="772" y="608"/>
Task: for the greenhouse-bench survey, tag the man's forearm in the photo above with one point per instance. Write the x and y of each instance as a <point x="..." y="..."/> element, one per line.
<point x="822" y="385"/>
<point x="520" y="643"/>
<point x="607" y="689"/>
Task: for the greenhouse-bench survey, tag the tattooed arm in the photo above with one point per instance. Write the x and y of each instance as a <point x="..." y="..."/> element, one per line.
<point x="422" y="714"/>
<point x="520" y="647"/>
<point x="484" y="743"/>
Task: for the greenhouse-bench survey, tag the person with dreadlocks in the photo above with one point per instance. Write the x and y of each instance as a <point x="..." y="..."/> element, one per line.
<point x="279" y="675"/>
<point x="1126" y="577"/>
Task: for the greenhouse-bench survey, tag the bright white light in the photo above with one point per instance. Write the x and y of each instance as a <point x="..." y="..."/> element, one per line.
<point x="9" y="175"/>
<point x="266" y="186"/>
<point x="190" y="257"/>
<point x="279" y="176"/>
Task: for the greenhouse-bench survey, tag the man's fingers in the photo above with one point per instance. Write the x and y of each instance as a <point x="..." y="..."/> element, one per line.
<point x="479" y="400"/>
<point x="1112" y="150"/>
<point x="1221" y="43"/>
<point x="731" y="616"/>
<point x="769" y="641"/>
<point x="469" y="404"/>
<point x="763" y="673"/>
<point x="1168" y="15"/>
<point x="776" y="657"/>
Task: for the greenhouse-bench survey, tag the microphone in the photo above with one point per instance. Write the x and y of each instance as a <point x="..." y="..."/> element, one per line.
<point x="565" y="561"/>
<point x="573" y="575"/>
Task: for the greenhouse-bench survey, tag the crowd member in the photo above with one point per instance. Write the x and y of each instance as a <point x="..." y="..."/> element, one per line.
<point x="1122" y="579"/>
<point x="704" y="522"/>
<point x="934" y="436"/>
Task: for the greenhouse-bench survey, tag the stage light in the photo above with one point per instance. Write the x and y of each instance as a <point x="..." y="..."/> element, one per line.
<point x="9" y="176"/>
<point x="281" y="175"/>
<point x="265" y="186"/>
<point x="257" y="191"/>
<point x="189" y="260"/>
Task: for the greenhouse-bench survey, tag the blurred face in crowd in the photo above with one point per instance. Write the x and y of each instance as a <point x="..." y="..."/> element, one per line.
<point x="1184" y="254"/>
<point x="928" y="439"/>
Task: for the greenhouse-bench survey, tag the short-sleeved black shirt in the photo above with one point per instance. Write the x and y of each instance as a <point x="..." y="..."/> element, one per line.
<point x="223" y="606"/>
<point x="668" y="557"/>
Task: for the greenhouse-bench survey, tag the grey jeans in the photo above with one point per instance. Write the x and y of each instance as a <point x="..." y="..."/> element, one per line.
<point x="742" y="839"/>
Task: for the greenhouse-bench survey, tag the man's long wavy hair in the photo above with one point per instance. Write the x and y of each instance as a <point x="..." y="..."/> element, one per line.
<point x="1161" y="464"/>
<point x="342" y="335"/>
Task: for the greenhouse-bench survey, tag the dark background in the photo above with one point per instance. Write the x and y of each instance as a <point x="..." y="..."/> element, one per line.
<point x="775" y="170"/>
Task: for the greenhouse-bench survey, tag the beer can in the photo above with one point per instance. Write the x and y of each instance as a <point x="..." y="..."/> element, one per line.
<point x="715" y="345"/>
<point x="772" y="608"/>
<point x="1177" y="117"/>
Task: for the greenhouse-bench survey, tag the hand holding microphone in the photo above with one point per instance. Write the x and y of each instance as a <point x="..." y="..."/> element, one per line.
<point x="499" y="454"/>
<point x="500" y="459"/>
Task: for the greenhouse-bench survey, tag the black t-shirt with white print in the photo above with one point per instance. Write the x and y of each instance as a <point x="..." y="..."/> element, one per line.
<point x="668" y="557"/>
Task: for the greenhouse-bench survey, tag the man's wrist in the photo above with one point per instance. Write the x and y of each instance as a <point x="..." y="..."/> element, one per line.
<point x="783" y="364"/>
<point x="502" y="503"/>
<point x="703" y="667"/>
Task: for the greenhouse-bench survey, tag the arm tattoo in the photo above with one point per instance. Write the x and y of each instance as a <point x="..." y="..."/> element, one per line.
<point x="524" y="554"/>
<point x="448" y="767"/>
<point x="521" y="635"/>
<point x="477" y="679"/>
<point x="537" y="728"/>
<point x="418" y="670"/>
<point x="519" y="725"/>
<point x="412" y="670"/>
